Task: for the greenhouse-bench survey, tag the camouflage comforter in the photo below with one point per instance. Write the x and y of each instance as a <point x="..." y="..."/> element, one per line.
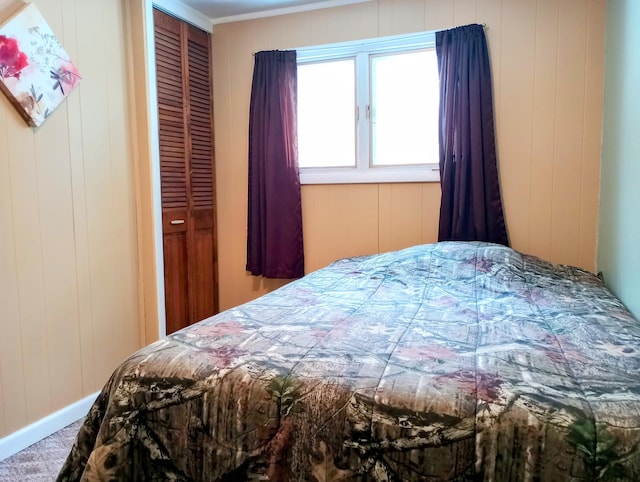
<point x="451" y="361"/>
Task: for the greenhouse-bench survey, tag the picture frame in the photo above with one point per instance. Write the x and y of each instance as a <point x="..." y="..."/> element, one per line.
<point x="36" y="74"/>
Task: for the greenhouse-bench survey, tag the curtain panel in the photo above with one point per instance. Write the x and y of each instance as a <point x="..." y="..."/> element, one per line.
<point x="274" y="229"/>
<point x="471" y="205"/>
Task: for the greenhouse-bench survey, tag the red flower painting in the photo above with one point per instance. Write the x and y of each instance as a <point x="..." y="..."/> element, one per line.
<point x="12" y="59"/>
<point x="36" y="74"/>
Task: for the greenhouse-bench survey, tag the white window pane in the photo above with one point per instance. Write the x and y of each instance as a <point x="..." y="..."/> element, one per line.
<point x="404" y="101"/>
<point x="326" y="114"/>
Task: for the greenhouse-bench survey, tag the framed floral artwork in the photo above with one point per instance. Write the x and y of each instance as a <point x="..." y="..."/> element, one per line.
<point x="36" y="73"/>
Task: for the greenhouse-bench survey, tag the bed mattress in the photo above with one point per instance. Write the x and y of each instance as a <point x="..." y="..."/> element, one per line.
<point x="448" y="361"/>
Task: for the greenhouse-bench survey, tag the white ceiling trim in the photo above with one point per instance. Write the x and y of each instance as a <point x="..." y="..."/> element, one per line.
<point x="186" y="13"/>
<point x="287" y="10"/>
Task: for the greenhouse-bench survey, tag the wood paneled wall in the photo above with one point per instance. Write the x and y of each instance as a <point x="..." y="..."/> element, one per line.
<point x="547" y="59"/>
<point x="69" y="262"/>
<point x="68" y="256"/>
<point x="350" y="220"/>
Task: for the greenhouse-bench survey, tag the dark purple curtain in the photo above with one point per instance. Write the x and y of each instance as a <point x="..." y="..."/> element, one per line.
<point x="274" y="229"/>
<point x="471" y="207"/>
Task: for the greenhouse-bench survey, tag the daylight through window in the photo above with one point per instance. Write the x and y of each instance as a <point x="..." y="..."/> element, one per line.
<point x="368" y="111"/>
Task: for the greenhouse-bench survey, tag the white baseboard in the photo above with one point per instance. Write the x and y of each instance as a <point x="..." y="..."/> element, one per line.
<point x="44" y="427"/>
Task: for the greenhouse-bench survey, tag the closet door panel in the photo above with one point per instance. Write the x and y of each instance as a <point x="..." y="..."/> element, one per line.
<point x="186" y="170"/>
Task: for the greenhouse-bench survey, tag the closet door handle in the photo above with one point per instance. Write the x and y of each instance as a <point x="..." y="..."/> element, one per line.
<point x="177" y="221"/>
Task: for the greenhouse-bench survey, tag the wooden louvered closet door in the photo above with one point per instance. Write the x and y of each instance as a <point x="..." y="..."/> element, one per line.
<point x="186" y="171"/>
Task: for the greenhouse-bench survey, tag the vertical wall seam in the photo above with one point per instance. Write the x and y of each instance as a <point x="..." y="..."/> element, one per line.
<point x="41" y="270"/>
<point x="86" y="221"/>
<point x="555" y="134"/>
<point x="15" y="261"/>
<point x="587" y="32"/>
<point x="74" y="202"/>
<point x="533" y="117"/>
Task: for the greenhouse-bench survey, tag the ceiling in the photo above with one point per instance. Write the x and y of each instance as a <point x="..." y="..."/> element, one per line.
<point x="220" y="11"/>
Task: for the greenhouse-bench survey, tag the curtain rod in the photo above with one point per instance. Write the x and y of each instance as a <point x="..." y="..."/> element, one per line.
<point x="382" y="39"/>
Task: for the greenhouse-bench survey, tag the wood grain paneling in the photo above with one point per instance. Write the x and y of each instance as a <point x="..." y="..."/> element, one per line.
<point x="402" y="214"/>
<point x="570" y="115"/>
<point x="592" y="138"/>
<point x="2" y="417"/>
<point x="29" y="273"/>
<point x="339" y="221"/>
<point x="69" y="185"/>
<point x="68" y="258"/>
<point x="464" y="11"/>
<point x="543" y="130"/>
<point x="514" y="132"/>
<point x="14" y="408"/>
<point x="401" y="15"/>
<point x="546" y="59"/>
<point x="430" y="212"/>
<point x="438" y="14"/>
<point x="59" y="282"/>
<point x="108" y="185"/>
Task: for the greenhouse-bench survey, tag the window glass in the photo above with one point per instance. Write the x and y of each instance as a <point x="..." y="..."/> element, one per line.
<point x="326" y="114"/>
<point x="404" y="108"/>
<point x="368" y="111"/>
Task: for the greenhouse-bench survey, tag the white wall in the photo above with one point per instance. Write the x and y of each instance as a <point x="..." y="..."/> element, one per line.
<point x="619" y="230"/>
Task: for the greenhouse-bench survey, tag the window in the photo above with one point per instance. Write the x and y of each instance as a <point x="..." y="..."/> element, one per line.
<point x="368" y="111"/>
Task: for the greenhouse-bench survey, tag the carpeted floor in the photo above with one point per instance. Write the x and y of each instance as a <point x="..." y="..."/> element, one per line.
<point x="42" y="461"/>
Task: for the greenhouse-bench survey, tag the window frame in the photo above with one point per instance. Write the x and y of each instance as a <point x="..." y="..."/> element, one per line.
<point x="363" y="172"/>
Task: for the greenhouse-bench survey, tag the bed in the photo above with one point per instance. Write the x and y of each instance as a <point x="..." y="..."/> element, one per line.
<point x="450" y="361"/>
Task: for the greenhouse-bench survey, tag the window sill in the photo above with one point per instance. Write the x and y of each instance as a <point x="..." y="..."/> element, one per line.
<point x="349" y="175"/>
